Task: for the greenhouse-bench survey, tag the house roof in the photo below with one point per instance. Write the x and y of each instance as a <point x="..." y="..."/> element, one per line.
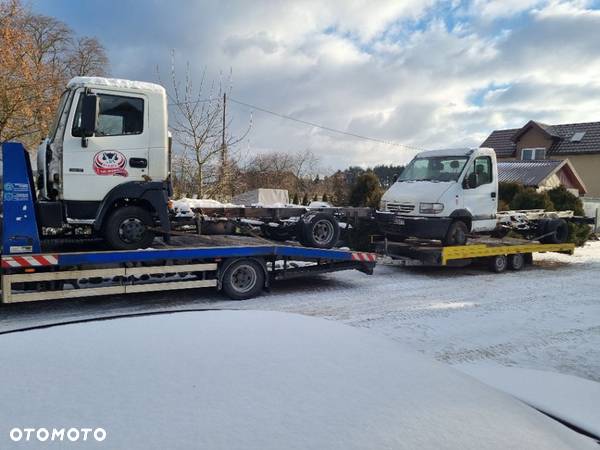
<point x="534" y="173"/>
<point x="504" y="141"/>
<point x="528" y="173"/>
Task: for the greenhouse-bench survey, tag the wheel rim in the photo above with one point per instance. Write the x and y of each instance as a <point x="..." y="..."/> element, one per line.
<point x="323" y="232"/>
<point x="500" y="263"/>
<point x="518" y="261"/>
<point x="132" y="230"/>
<point x="458" y="236"/>
<point x="243" y="278"/>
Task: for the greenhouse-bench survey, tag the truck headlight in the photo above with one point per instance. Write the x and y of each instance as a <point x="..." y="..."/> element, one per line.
<point x="382" y="205"/>
<point x="431" y="208"/>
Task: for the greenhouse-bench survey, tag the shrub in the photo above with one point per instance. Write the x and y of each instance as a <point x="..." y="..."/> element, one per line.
<point x="507" y="191"/>
<point x="366" y="191"/>
<point x="530" y="199"/>
<point x="563" y="200"/>
<point x="579" y="233"/>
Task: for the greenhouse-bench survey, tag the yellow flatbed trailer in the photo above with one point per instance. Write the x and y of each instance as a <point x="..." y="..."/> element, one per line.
<point x="499" y="254"/>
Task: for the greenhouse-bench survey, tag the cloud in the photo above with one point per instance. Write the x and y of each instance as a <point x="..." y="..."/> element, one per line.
<point x="424" y="73"/>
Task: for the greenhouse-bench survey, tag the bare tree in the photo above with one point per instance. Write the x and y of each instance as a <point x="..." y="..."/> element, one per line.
<point x="87" y="57"/>
<point x="200" y="127"/>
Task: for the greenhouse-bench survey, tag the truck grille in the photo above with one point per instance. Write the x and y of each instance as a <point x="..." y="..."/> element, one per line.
<point x="400" y="207"/>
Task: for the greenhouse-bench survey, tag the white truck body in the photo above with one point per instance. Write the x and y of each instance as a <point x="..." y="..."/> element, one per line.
<point x="132" y="126"/>
<point x="440" y="186"/>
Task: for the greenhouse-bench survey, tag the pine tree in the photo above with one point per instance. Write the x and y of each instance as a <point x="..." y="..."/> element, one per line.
<point x="305" y="201"/>
<point x="295" y="200"/>
<point x="325" y="198"/>
<point x="366" y="191"/>
<point x="315" y="198"/>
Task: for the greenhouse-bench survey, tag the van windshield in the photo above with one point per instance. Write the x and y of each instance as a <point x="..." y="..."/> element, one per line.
<point x="435" y="168"/>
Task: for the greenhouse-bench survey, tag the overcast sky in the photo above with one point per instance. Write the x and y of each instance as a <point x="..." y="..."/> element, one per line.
<point x="425" y="73"/>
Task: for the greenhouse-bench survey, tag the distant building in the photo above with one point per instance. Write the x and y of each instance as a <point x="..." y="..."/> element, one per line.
<point x="579" y="143"/>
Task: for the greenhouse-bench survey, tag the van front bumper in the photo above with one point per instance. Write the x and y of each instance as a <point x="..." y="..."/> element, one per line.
<point x="412" y="226"/>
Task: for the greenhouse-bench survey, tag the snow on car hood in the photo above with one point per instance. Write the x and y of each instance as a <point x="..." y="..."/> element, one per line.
<point x="416" y="191"/>
<point x="254" y="380"/>
<point x="571" y="399"/>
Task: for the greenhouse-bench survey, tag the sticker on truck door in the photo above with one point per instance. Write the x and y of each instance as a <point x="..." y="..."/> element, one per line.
<point x="110" y="162"/>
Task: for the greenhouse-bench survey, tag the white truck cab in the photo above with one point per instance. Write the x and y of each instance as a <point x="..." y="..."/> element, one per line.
<point x="443" y="194"/>
<point x="107" y="154"/>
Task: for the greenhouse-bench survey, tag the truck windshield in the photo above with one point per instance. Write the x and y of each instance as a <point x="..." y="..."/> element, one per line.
<point x="435" y="168"/>
<point x="59" y="111"/>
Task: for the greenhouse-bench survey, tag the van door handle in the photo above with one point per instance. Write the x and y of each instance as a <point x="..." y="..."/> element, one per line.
<point x="138" y="163"/>
<point x="493" y="195"/>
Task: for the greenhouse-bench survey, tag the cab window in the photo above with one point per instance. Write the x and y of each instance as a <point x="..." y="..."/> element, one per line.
<point x="479" y="173"/>
<point x="118" y="116"/>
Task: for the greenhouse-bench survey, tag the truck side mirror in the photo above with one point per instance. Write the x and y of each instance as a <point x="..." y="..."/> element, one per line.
<point x="89" y="117"/>
<point x="395" y="178"/>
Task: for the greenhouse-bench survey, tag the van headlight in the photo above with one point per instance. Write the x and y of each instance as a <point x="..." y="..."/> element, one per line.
<point x="431" y="208"/>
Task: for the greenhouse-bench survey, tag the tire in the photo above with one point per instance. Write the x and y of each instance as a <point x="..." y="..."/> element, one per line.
<point x="128" y="228"/>
<point x="456" y="234"/>
<point x="320" y="230"/>
<point x="559" y="229"/>
<point x="498" y="263"/>
<point x="516" y="261"/>
<point x="243" y="279"/>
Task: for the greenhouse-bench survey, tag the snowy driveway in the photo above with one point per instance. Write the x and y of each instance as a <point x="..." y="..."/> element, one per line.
<point x="545" y="317"/>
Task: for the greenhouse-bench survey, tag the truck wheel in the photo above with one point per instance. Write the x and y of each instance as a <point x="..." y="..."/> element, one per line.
<point x="559" y="230"/>
<point x="498" y="263"/>
<point x="243" y="279"/>
<point x="516" y="261"/>
<point x="457" y="233"/>
<point x="128" y="228"/>
<point x="320" y="230"/>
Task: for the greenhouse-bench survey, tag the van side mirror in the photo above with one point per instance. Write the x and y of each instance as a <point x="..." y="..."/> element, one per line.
<point x="395" y="178"/>
<point x="89" y="117"/>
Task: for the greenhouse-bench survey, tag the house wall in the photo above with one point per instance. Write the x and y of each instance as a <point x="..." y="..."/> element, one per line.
<point x="533" y="138"/>
<point x="588" y="168"/>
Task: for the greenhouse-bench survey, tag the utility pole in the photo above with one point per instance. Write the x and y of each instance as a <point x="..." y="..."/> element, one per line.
<point x="224" y="169"/>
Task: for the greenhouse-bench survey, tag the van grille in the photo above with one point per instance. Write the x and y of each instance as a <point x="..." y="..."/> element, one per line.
<point x="400" y="207"/>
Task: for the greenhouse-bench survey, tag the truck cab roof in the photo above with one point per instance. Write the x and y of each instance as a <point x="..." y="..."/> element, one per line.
<point x="116" y="83"/>
<point x="454" y="152"/>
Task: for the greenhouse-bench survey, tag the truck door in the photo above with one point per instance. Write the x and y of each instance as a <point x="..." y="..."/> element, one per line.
<point x="116" y="154"/>
<point x="480" y="193"/>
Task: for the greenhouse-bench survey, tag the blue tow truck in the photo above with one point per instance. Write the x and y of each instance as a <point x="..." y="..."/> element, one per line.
<point x="34" y="266"/>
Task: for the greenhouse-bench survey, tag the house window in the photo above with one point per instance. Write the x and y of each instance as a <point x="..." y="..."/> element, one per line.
<point x="529" y="154"/>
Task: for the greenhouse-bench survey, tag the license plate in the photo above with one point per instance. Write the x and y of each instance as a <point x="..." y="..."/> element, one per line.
<point x="399" y="221"/>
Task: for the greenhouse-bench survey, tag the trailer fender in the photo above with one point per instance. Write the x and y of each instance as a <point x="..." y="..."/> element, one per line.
<point x="153" y="193"/>
<point x="229" y="261"/>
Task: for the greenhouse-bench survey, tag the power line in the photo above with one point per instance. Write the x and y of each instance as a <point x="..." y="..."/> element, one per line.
<point x="305" y="122"/>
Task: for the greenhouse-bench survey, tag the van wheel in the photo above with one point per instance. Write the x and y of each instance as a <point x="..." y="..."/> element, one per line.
<point x="243" y="279"/>
<point x="457" y="233"/>
<point x="128" y="228"/>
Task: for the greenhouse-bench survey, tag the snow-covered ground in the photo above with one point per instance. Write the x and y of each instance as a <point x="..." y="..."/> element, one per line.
<point x="546" y="317"/>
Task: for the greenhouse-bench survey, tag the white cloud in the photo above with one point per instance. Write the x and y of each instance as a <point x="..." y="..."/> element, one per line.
<point x="406" y="71"/>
